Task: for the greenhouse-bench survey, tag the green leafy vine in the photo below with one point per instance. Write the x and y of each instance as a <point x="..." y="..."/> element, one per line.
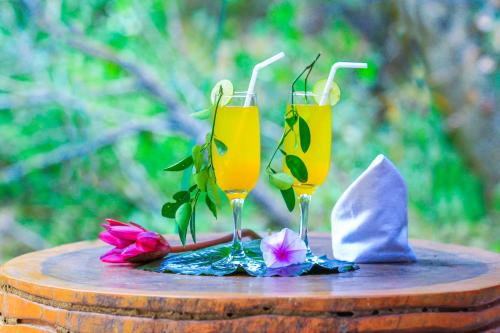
<point x="297" y="167"/>
<point x="183" y="207"/>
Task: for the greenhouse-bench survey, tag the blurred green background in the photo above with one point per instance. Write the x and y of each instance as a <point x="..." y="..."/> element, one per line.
<point x="95" y="99"/>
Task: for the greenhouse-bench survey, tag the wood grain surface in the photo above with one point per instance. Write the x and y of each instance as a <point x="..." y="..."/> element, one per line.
<point x="67" y="289"/>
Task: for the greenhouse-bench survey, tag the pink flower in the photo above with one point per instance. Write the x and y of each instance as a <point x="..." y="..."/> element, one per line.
<point x="132" y="243"/>
<point x="283" y="249"/>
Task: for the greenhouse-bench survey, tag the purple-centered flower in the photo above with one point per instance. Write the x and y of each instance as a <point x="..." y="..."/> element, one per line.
<point x="132" y="243"/>
<point x="283" y="249"/>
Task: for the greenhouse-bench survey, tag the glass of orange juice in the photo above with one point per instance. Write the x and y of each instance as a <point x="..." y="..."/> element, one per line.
<point x="237" y="167"/>
<point x="316" y="158"/>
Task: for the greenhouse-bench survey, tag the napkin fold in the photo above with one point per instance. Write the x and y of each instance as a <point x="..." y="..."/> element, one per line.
<point x="370" y="220"/>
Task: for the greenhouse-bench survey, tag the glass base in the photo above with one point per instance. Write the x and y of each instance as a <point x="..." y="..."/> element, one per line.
<point x="238" y="260"/>
<point x="314" y="259"/>
<point x="234" y="262"/>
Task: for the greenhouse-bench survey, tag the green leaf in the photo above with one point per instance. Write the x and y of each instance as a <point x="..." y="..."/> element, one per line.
<point x="297" y="168"/>
<point x="208" y="137"/>
<point x="181" y="165"/>
<point x="213" y="192"/>
<point x="200" y="179"/>
<point x="182" y="196"/>
<point x="211" y="206"/>
<point x="289" y="197"/>
<point x="192" y="223"/>
<point x="192" y="188"/>
<point x="305" y="135"/>
<point x="197" y="157"/>
<point x="182" y="217"/>
<point x="291" y="120"/>
<point x="221" y="147"/>
<point x="281" y="180"/>
<point x="211" y="173"/>
<point x="202" y="114"/>
<point x="200" y="263"/>
<point x="168" y="210"/>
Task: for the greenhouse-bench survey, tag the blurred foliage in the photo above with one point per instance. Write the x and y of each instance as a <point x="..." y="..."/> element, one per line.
<point x="54" y="95"/>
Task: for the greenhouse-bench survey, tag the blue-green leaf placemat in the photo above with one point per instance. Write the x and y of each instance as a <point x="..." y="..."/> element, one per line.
<point x="200" y="263"/>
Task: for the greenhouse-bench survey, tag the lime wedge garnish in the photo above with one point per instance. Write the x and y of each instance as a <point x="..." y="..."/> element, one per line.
<point x="333" y="96"/>
<point x="227" y="92"/>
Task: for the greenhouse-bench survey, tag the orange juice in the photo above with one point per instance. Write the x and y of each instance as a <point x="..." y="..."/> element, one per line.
<point x="237" y="170"/>
<point x="317" y="157"/>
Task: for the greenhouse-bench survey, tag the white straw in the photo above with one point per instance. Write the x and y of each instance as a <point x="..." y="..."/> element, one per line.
<point x="255" y="72"/>
<point x="336" y="66"/>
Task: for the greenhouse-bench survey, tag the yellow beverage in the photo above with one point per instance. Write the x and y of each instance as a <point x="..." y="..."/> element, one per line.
<point x="317" y="157"/>
<point x="237" y="170"/>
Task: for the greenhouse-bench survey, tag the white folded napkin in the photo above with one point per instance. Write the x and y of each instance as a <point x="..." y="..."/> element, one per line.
<point x="370" y="220"/>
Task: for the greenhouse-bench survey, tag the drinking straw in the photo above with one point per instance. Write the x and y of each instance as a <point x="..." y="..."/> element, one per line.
<point x="255" y="72"/>
<point x="336" y="66"/>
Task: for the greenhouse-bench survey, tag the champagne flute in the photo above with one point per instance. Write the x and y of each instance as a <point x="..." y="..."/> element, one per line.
<point x="316" y="158"/>
<point x="237" y="165"/>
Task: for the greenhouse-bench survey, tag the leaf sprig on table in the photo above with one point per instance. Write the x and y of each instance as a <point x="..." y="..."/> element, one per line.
<point x="297" y="167"/>
<point x="183" y="207"/>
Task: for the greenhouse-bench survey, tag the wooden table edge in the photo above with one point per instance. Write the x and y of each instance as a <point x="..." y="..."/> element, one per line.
<point x="474" y="292"/>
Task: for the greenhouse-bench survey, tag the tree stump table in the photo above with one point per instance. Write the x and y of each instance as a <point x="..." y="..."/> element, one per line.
<point x="67" y="289"/>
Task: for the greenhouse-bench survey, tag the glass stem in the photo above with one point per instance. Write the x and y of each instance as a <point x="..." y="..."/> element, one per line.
<point x="304" y="200"/>
<point x="237" y="250"/>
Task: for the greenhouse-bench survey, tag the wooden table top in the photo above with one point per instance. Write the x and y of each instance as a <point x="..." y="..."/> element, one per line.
<point x="457" y="286"/>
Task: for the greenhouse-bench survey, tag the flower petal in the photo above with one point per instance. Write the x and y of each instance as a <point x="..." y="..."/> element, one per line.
<point x="292" y="241"/>
<point x="137" y="225"/>
<point x="163" y="246"/>
<point x="267" y="249"/>
<point x="289" y="258"/>
<point x="146" y="257"/>
<point x="283" y="249"/>
<point x="107" y="237"/>
<point x="125" y="232"/>
<point x="147" y="241"/>
<point x="113" y="256"/>
<point x="131" y="251"/>
<point x="132" y="242"/>
<point x="112" y="222"/>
